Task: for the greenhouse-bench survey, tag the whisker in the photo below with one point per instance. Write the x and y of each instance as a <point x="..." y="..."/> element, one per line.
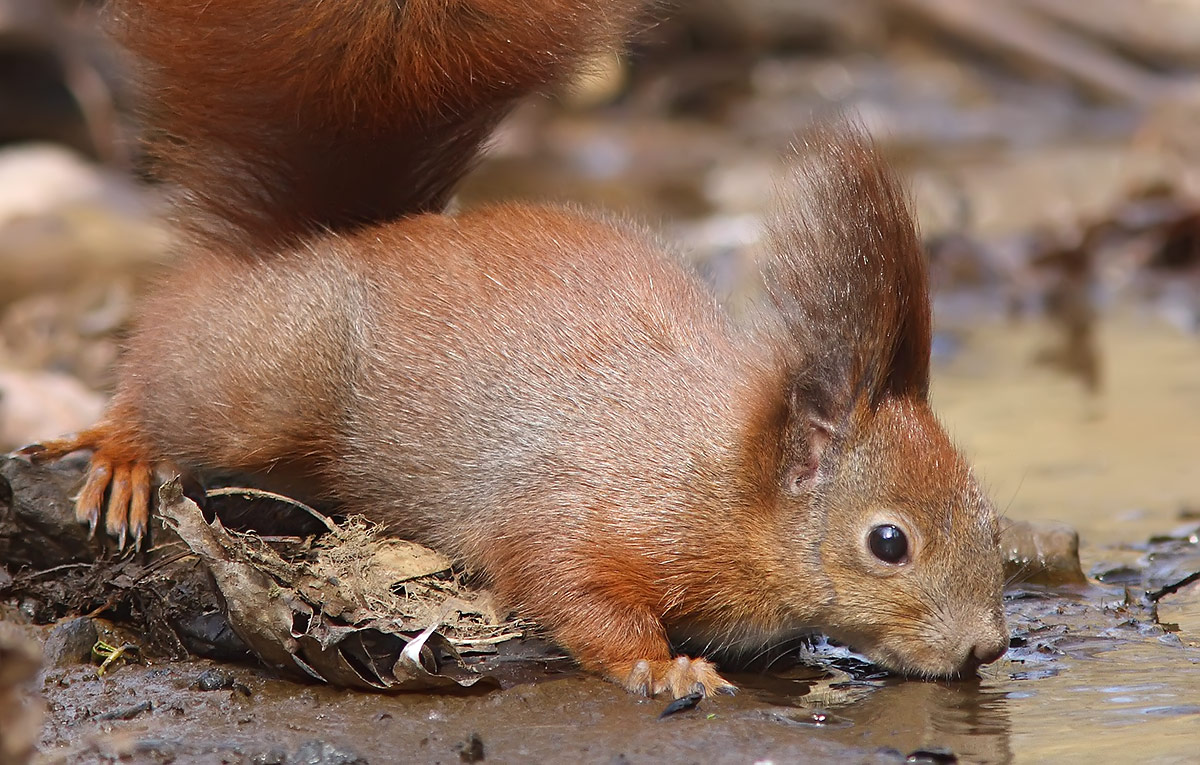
<point x="1024" y="567"/>
<point x="1004" y="513"/>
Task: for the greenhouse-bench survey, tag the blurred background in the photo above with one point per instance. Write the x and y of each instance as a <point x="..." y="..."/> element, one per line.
<point x="1052" y="151"/>
<point x="1050" y="146"/>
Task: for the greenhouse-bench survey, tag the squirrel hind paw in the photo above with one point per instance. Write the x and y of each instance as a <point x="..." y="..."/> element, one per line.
<point x="117" y="483"/>
<point x="680" y="677"/>
<point x="56" y="449"/>
<point x="127" y="510"/>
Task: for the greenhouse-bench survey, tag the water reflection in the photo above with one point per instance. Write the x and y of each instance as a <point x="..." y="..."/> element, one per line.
<point x="969" y="718"/>
<point x="1092" y="667"/>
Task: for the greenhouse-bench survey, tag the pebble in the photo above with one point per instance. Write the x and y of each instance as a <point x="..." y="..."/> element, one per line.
<point x="71" y="643"/>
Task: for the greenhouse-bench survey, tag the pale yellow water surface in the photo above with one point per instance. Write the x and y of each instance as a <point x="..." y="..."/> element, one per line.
<point x="1120" y="466"/>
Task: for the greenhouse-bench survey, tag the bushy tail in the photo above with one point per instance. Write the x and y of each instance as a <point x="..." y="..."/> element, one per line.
<point x="280" y="118"/>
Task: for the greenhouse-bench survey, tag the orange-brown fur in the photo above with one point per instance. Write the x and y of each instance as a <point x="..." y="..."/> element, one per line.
<point x="296" y="116"/>
<point x="546" y="394"/>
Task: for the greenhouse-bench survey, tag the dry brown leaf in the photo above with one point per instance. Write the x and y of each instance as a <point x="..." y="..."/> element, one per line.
<point x="334" y="615"/>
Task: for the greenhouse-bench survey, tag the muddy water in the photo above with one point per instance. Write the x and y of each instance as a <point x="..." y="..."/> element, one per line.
<point x="1120" y="467"/>
<point x="1089" y="679"/>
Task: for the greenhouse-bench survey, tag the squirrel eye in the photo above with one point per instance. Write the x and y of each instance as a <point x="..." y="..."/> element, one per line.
<point x="888" y="543"/>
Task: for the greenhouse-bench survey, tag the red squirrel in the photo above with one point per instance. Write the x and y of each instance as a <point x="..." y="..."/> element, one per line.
<point x="546" y="394"/>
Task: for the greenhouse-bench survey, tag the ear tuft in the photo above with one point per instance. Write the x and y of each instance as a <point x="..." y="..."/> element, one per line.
<point x="845" y="269"/>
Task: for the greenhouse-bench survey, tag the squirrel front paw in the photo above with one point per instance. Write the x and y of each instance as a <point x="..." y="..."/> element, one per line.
<point x="679" y="676"/>
<point x="116" y="471"/>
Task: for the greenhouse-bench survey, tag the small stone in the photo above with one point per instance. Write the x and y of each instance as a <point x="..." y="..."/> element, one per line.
<point x="71" y="643"/>
<point x="1044" y="553"/>
<point x="214" y="680"/>
<point x="31" y="609"/>
<point x="932" y="757"/>
<point x="161" y="749"/>
<point x="274" y="756"/>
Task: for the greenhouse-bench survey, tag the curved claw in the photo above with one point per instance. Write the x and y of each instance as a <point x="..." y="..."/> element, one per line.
<point x="680" y="677"/>
<point x="139" y="502"/>
<point x="91" y="497"/>
<point x="116" y="516"/>
<point x="30" y="452"/>
<point x="48" y="451"/>
<point x="117" y="484"/>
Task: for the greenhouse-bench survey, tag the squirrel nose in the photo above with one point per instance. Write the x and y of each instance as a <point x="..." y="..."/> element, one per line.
<point x="988" y="651"/>
<point x="983" y="652"/>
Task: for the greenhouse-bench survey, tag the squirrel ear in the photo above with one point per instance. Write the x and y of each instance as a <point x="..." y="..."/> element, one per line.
<point x="808" y="440"/>
<point x="845" y="270"/>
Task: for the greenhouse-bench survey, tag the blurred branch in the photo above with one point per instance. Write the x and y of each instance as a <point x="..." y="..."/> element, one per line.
<point x="1008" y="29"/>
<point x="1162" y="33"/>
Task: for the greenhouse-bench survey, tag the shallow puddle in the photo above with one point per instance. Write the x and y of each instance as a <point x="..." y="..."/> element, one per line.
<point x="1120" y="467"/>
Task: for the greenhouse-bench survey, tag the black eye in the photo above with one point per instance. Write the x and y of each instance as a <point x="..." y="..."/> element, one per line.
<point x="888" y="543"/>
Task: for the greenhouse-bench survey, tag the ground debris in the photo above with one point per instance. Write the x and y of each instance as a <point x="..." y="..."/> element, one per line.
<point x="1173" y="587"/>
<point x="127" y="713"/>
<point x="471" y="750"/>
<point x="324" y="753"/>
<point x="349" y="606"/>
<point x="54" y="571"/>
<point x="682" y="704"/>
<point x="335" y="612"/>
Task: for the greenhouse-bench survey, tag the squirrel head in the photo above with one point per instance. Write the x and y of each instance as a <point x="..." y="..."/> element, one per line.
<point x="904" y="542"/>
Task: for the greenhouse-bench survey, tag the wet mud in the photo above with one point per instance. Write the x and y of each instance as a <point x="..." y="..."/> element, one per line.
<point x="1084" y="663"/>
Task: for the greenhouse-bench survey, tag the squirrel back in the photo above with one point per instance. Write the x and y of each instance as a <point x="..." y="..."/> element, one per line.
<point x="280" y="120"/>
